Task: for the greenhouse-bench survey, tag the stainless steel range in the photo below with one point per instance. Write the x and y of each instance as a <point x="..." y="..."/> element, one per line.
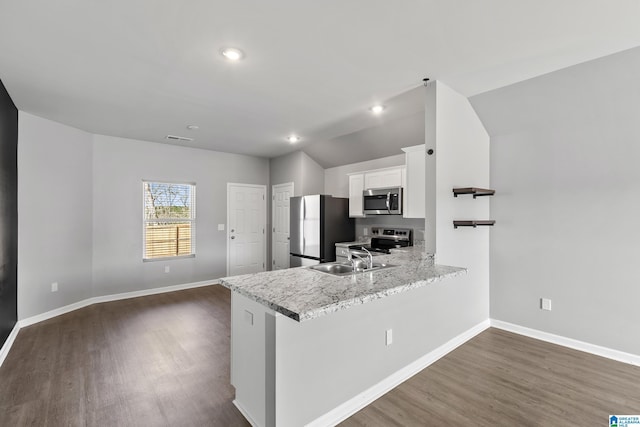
<point x="384" y="239"/>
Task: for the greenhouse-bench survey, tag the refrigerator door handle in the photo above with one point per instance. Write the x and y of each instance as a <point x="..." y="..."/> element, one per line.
<point x="303" y="212"/>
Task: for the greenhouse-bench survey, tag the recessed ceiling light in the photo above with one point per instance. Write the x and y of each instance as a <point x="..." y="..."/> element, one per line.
<point x="377" y="109"/>
<point x="293" y="139"/>
<point x="193" y="127"/>
<point x="232" y="54"/>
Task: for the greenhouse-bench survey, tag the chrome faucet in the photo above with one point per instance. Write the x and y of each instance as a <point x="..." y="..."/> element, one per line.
<point x="369" y="259"/>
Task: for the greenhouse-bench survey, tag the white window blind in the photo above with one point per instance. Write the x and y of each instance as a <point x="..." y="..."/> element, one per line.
<point x="169" y="219"/>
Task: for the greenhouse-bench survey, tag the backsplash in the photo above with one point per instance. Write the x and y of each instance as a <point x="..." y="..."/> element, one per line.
<point x="389" y="221"/>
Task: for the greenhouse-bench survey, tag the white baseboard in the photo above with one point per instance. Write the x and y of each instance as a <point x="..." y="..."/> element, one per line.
<point x="619" y="356"/>
<point x="154" y="291"/>
<point x="54" y="313"/>
<point x="90" y="301"/>
<point x="4" y="350"/>
<point x="345" y="410"/>
<point x="353" y="405"/>
<point x="106" y="298"/>
<point x="244" y="413"/>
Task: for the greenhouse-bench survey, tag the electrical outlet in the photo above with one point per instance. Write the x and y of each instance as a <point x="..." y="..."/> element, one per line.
<point x="54" y="287"/>
<point x="388" y="337"/>
<point x="167" y="269"/>
<point x="248" y="317"/>
<point x="365" y="231"/>
<point x="545" y="304"/>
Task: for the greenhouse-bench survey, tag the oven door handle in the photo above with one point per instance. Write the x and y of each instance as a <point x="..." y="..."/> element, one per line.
<point x="388" y="202"/>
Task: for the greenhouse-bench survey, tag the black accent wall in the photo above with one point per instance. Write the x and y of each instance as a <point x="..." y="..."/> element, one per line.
<point x="8" y="214"/>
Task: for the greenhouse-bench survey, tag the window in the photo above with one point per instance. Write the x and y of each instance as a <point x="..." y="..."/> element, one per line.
<point x="169" y="219"/>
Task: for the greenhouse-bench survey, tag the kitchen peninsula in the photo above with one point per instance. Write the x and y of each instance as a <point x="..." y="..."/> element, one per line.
<point x="306" y="343"/>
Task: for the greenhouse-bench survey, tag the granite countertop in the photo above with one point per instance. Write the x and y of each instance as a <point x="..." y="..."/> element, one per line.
<point x="304" y="294"/>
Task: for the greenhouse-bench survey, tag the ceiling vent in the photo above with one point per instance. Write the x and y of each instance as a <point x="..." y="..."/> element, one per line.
<point x="178" y="138"/>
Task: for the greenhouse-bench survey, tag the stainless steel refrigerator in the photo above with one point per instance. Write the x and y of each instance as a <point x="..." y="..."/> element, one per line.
<point x="316" y="224"/>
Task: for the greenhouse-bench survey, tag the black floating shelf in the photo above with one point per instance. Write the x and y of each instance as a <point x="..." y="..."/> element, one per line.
<point x="477" y="192"/>
<point x="473" y="223"/>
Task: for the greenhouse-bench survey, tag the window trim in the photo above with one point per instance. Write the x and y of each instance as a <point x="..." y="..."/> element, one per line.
<point x="192" y="220"/>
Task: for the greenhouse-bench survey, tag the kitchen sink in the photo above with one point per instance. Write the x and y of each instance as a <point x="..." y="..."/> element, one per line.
<point x="346" y="269"/>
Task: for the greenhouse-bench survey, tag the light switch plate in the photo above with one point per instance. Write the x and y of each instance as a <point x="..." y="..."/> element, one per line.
<point x="545" y="304"/>
<point x="220" y="227"/>
<point x="388" y="337"/>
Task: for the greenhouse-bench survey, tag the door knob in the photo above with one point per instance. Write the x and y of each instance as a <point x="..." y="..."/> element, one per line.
<point x="233" y="237"/>
<point x="232" y="230"/>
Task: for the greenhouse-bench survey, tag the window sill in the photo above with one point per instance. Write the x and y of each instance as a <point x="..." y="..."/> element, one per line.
<point x="168" y="258"/>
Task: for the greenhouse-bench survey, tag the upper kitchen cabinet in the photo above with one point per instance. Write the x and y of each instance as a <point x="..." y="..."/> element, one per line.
<point x="384" y="178"/>
<point x="356" y="187"/>
<point x="414" y="190"/>
<point x="366" y="180"/>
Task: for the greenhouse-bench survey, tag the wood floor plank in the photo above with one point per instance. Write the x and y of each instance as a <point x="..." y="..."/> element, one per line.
<point x="499" y="378"/>
<point x="160" y="360"/>
<point x="163" y="360"/>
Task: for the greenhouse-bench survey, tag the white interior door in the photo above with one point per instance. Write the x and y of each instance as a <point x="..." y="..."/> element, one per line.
<point x="246" y="219"/>
<point x="281" y="194"/>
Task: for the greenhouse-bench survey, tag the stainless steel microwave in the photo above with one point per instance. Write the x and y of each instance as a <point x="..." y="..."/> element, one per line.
<point x="382" y="201"/>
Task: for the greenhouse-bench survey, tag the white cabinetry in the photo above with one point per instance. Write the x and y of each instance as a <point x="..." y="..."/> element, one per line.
<point x="414" y="192"/>
<point x="379" y="178"/>
<point x="356" y="187"/>
<point x="383" y="178"/>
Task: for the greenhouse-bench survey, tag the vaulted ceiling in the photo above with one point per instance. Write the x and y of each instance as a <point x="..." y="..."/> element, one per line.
<point x="144" y="69"/>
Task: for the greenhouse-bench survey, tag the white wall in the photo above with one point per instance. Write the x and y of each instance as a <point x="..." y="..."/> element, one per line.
<point x="338" y="356"/>
<point x="54" y="215"/>
<point x="462" y="160"/>
<point x="312" y="176"/>
<point x="430" y="188"/>
<point x="287" y="168"/>
<point x="297" y="167"/>
<point x="564" y="163"/>
<point x="119" y="166"/>
<point x="80" y="212"/>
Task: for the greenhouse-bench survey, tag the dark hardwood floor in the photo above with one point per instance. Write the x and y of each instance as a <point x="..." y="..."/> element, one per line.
<point x="503" y="379"/>
<point x="160" y="360"/>
<point x="163" y="360"/>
